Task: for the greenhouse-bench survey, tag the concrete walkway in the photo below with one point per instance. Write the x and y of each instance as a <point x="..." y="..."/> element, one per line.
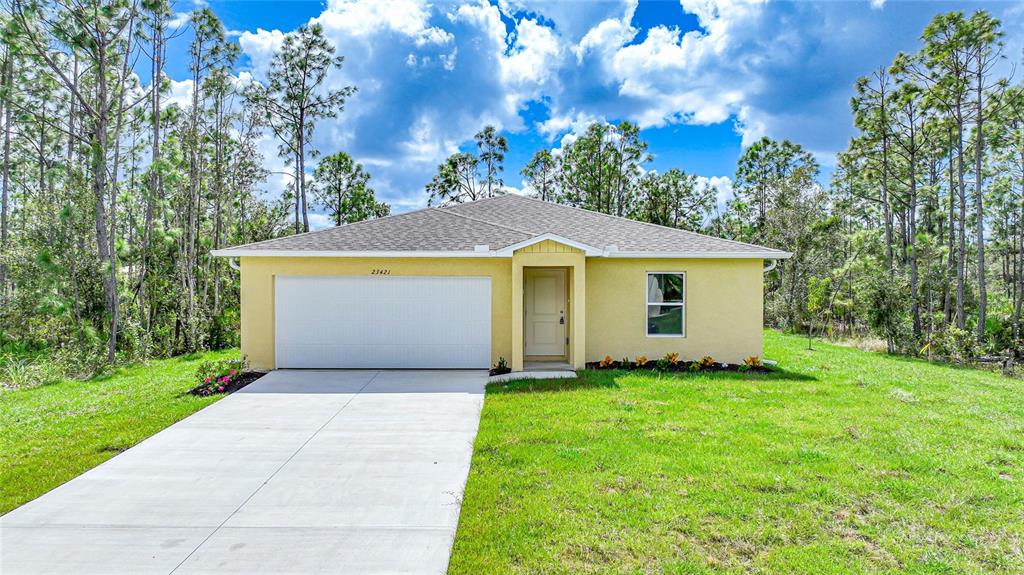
<point x="301" y="472"/>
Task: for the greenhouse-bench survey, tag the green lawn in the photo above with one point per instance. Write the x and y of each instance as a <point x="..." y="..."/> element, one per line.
<point x="847" y="462"/>
<point x="52" y="433"/>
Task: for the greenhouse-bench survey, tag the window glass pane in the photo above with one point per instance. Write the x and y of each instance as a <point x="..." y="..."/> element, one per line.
<point x="665" y="287"/>
<point x="665" y="320"/>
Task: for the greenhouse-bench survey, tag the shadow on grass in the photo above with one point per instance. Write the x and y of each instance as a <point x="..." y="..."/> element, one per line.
<point x="776" y="374"/>
<point x="591" y="379"/>
<point x="584" y="380"/>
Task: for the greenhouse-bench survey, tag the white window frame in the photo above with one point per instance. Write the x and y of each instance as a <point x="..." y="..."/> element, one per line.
<point x="648" y="303"/>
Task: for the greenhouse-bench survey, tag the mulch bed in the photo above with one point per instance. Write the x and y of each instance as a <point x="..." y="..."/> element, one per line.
<point x="682" y="366"/>
<point x="236" y="383"/>
<point x="499" y="371"/>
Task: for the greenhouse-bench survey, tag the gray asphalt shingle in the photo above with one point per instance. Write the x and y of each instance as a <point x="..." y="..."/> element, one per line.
<point x="500" y="222"/>
<point x="593" y="228"/>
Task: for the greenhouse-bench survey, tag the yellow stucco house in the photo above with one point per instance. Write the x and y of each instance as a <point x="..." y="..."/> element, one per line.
<point x="510" y="277"/>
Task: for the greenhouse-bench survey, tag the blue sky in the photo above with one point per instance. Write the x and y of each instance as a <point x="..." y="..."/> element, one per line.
<point x="703" y="78"/>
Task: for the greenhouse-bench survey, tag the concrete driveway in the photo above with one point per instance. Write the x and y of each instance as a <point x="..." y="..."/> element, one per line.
<point x="301" y="472"/>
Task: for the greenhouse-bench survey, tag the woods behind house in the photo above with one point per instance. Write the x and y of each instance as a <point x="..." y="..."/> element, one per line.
<point x="113" y="195"/>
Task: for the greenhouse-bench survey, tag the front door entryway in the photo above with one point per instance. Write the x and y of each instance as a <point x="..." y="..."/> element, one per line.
<point x="545" y="311"/>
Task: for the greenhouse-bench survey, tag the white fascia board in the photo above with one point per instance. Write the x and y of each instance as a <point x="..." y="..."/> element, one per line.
<point x="587" y="249"/>
<point x="704" y="255"/>
<point x="507" y="252"/>
<point x="241" y="253"/>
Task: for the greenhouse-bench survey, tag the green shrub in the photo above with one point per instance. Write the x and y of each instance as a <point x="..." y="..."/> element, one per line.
<point x="955" y="344"/>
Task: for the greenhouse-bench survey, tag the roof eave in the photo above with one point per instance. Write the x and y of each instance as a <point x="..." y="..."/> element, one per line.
<point x="268" y="253"/>
<point x="502" y="253"/>
<point x="765" y="255"/>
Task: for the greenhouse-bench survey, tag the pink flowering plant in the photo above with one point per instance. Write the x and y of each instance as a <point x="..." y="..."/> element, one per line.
<point x="216" y="376"/>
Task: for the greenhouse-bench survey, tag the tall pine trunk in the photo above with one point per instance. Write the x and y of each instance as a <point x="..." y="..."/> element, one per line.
<point x="300" y="173"/>
<point x="961" y="259"/>
<point x="947" y="292"/>
<point x="979" y="149"/>
<point x="154" y="168"/>
<point x="99" y="140"/>
<point x="5" y="194"/>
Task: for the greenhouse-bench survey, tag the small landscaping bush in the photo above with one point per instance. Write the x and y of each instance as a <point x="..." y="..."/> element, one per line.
<point x="501" y="367"/>
<point x="222" y="376"/>
<point x="752" y="362"/>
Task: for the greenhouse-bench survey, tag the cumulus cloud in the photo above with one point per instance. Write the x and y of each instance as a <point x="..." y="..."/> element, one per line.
<point x="722" y="184"/>
<point x="178" y="19"/>
<point x="430" y="75"/>
<point x="180" y="94"/>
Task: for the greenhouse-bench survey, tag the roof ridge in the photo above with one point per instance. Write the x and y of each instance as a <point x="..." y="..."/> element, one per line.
<point x="658" y="226"/>
<point x="332" y="228"/>
<point x="488" y="222"/>
<point x="479" y="200"/>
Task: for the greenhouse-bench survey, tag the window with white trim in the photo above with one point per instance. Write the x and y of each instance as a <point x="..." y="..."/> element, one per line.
<point x="666" y="304"/>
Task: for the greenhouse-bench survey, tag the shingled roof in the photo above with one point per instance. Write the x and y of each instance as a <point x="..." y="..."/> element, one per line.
<point x="495" y="224"/>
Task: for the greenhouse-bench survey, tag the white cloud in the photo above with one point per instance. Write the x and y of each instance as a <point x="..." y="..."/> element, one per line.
<point x="428" y="78"/>
<point x="362" y="19"/>
<point x="877" y="4"/>
<point x="260" y="46"/>
<point x="569" y="126"/>
<point x="178" y="20"/>
<point x="572" y="20"/>
<point x="180" y="94"/>
<point x="723" y="184"/>
<point x="749" y="125"/>
<point x="605" y="38"/>
<point x="527" y="66"/>
<point x="430" y="75"/>
<point x="320" y="221"/>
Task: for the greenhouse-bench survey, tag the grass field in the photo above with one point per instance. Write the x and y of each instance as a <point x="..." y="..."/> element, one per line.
<point x="50" y="434"/>
<point x="845" y="462"/>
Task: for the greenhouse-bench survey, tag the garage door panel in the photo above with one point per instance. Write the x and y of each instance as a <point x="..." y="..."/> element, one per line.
<point x="380" y="322"/>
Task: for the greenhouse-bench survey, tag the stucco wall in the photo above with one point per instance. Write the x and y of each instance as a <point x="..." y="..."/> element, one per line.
<point x="724" y="315"/>
<point x="258" y="293"/>
<point x="723" y="303"/>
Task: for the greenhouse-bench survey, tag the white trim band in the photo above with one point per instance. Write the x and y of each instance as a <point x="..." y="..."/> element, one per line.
<point x="241" y="253"/>
<point x="704" y="255"/>
<point x="503" y="253"/>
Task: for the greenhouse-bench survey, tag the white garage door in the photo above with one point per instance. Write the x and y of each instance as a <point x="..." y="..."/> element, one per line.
<point x="383" y="322"/>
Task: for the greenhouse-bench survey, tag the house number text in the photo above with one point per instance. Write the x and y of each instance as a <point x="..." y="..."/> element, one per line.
<point x="380" y="272"/>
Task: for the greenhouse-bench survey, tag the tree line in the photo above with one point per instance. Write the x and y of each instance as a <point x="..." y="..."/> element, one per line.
<point x="113" y="197"/>
<point x="917" y="239"/>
